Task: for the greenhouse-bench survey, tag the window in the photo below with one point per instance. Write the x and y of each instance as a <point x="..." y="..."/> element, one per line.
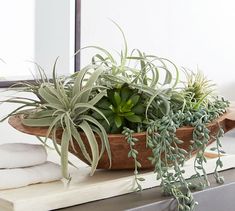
<point x="37" y="31"/>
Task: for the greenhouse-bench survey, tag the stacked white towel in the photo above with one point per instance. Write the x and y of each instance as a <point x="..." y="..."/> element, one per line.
<point x="19" y="177"/>
<point x="25" y="164"/>
<point x="18" y="155"/>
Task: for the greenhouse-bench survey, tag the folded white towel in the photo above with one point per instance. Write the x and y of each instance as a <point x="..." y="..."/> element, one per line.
<point x="17" y="155"/>
<point x="15" y="178"/>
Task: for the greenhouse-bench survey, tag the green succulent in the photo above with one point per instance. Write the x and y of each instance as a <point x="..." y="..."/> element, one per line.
<point x="122" y="106"/>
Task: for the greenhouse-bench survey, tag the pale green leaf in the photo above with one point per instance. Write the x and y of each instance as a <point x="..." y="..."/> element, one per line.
<point x="103" y="132"/>
<point x="79" y="140"/>
<point x="42" y="122"/>
<point x="93" y="144"/>
<point x="64" y="153"/>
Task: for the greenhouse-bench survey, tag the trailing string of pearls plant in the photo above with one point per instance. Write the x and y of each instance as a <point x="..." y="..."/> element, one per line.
<point x="168" y="158"/>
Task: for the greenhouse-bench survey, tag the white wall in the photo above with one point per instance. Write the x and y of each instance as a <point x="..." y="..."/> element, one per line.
<point x="188" y="32"/>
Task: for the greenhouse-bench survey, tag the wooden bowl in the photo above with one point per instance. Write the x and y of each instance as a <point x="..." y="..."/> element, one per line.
<point x="118" y="145"/>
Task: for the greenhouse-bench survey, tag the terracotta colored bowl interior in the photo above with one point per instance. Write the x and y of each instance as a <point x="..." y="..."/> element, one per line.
<point x="118" y="145"/>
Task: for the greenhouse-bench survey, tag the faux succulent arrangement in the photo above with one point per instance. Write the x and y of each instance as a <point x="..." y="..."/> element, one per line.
<point x="141" y="93"/>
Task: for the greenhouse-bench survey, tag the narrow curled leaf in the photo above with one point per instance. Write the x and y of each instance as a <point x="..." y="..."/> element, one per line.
<point x="93" y="145"/>
<point x="79" y="140"/>
<point x="42" y="122"/>
<point x="64" y="152"/>
<point x="104" y="136"/>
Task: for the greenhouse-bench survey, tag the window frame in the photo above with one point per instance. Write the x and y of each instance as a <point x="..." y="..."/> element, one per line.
<point x="77" y="59"/>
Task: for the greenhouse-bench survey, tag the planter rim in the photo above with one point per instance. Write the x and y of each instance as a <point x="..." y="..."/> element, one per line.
<point x="12" y="122"/>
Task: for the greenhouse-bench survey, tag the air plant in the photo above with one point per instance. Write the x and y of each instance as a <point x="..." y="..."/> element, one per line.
<point x="197" y="88"/>
<point x="65" y="107"/>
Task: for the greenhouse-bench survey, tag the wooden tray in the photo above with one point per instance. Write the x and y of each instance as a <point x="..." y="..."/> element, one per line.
<point x="120" y="148"/>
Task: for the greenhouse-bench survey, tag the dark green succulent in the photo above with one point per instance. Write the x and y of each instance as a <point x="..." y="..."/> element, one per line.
<point x="122" y="106"/>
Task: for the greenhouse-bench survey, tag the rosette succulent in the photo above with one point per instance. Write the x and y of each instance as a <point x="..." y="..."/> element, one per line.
<point x="122" y="106"/>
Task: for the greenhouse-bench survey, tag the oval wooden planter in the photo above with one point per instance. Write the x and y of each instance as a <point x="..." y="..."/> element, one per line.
<point x="119" y="146"/>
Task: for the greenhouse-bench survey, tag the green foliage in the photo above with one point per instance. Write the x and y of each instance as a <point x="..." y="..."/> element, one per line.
<point x="133" y="153"/>
<point x="134" y="92"/>
<point x="65" y="106"/>
<point x="197" y="89"/>
<point x="219" y="150"/>
<point x="168" y="157"/>
<point x="122" y="107"/>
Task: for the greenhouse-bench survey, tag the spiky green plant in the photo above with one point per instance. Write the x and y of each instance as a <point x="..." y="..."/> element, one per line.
<point x="65" y="107"/>
<point x="197" y="88"/>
